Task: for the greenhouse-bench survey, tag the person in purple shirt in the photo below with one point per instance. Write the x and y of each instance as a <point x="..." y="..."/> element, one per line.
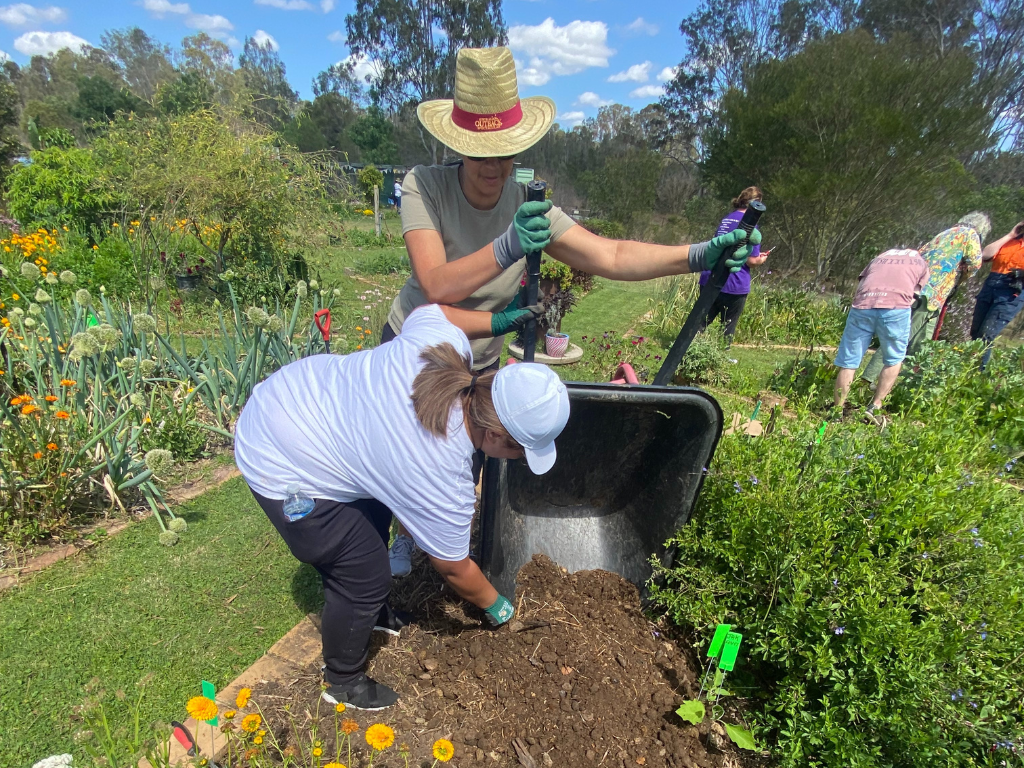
<point x="729" y="304"/>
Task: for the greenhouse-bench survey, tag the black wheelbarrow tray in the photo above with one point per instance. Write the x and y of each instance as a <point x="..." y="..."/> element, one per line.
<point x="631" y="462"/>
<point x="630" y="467"/>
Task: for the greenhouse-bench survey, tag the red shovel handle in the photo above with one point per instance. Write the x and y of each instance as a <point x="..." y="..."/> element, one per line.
<point x="322" y="318"/>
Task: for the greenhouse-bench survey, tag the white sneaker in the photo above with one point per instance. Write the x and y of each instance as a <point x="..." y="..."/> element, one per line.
<point x="732" y="360"/>
<point x="400" y="555"/>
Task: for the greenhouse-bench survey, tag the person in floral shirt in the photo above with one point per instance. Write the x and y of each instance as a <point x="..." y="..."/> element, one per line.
<point x="952" y="255"/>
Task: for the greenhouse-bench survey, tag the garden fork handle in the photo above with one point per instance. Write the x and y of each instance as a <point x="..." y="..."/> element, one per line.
<point x="535" y="191"/>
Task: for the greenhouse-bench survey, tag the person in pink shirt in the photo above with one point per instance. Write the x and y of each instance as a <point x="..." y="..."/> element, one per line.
<point x="880" y="308"/>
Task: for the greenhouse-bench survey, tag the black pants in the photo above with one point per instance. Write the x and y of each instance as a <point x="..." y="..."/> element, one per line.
<point x="347" y="543"/>
<point x="729" y="307"/>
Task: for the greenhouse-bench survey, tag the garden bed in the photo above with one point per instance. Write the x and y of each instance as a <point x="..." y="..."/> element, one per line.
<point x="579" y="675"/>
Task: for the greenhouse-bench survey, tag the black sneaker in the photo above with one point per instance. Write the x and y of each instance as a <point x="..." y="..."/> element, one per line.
<point x="392" y="621"/>
<point x="363" y="693"/>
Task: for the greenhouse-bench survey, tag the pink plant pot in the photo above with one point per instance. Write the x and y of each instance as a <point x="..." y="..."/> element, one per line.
<point x="556" y="344"/>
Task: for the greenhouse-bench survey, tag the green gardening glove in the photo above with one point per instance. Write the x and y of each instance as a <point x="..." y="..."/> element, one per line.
<point x="706" y="255"/>
<point x="513" y="317"/>
<point x="499" y="613"/>
<point x="529" y="232"/>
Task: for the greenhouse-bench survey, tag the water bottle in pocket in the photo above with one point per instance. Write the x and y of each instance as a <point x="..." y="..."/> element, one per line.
<point x="297" y="505"/>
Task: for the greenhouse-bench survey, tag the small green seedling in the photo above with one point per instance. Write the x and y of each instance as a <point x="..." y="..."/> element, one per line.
<point x="723" y="651"/>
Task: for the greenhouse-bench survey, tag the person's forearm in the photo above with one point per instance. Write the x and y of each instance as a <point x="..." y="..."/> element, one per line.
<point x="453" y="281"/>
<point x="468" y="581"/>
<point x="992" y="249"/>
<point x="475" y="324"/>
<point x="619" y="259"/>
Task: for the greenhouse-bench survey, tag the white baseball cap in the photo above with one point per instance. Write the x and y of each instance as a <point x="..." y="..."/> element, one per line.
<point x="533" y="405"/>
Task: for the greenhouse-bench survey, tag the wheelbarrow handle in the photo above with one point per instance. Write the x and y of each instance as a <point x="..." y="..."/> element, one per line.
<point x="705" y="300"/>
<point x="535" y="191"/>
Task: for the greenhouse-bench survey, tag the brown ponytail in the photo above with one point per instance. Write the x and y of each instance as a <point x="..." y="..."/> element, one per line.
<point x="446" y="379"/>
<point x="744" y="198"/>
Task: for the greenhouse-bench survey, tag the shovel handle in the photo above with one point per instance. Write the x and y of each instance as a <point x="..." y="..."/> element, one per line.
<point x="535" y="191"/>
<point x="322" y="318"/>
<point x="705" y="299"/>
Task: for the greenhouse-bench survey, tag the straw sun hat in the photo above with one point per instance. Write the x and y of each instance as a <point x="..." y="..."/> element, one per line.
<point x="487" y="118"/>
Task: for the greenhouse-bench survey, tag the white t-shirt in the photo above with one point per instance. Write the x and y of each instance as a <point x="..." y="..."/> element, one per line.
<point x="344" y="428"/>
<point x="398" y="189"/>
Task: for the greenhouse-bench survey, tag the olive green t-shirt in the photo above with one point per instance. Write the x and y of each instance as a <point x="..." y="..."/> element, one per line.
<point x="433" y="199"/>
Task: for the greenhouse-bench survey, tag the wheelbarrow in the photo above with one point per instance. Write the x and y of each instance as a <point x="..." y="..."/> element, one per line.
<point x="631" y="463"/>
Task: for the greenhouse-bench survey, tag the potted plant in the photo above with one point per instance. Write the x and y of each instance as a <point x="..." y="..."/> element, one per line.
<point x="188" y="270"/>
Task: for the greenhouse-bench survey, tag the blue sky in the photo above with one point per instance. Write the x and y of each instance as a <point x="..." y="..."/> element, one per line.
<point x="581" y="53"/>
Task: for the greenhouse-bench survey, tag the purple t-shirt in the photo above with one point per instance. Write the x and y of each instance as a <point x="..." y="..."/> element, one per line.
<point x="737" y="282"/>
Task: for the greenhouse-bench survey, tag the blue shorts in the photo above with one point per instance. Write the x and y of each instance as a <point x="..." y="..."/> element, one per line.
<point x="891" y="326"/>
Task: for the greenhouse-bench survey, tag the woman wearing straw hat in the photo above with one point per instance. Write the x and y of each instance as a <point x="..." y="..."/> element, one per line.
<point x="468" y="227"/>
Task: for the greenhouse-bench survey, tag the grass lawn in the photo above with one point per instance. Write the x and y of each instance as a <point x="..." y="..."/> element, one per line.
<point x="205" y="609"/>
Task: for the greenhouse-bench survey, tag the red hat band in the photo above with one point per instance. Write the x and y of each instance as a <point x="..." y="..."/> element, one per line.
<point x="491" y="121"/>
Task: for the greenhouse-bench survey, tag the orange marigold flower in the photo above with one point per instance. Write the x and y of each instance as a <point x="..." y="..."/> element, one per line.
<point x="359" y="346"/>
<point x="51" y="446"/>
<point x="27" y="409"/>
<point x="242" y="699"/>
<point x="443" y="750"/>
<point x="380" y="736"/>
<point x="37" y="455"/>
<point x="201" y="708"/>
<point x="67" y="382"/>
<point x="50" y="398"/>
<point x="349" y="727"/>
<point x="62" y="415"/>
<point x="16" y="401"/>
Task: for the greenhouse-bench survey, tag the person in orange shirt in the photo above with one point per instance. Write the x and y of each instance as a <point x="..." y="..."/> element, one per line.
<point x="1001" y="297"/>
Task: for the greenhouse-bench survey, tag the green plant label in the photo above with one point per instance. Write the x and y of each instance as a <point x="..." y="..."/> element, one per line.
<point x="741" y="737"/>
<point x="211" y="693"/>
<point x="729" y="652"/>
<point x="692" y="711"/>
<point x="716" y="642"/>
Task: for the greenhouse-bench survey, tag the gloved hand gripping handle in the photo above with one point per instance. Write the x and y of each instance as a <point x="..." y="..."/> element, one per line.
<point x="535" y="191"/>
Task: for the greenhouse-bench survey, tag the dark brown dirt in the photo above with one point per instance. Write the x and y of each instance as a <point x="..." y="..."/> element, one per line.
<point x="580" y="675"/>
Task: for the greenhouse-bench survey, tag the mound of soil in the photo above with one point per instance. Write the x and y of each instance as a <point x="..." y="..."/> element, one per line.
<point x="580" y="676"/>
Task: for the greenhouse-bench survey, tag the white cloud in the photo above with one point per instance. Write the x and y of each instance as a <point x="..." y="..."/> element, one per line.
<point x="263" y="39"/>
<point x="327" y="5"/>
<point x="214" y="25"/>
<point x="3" y="56"/>
<point x="591" y="99"/>
<point x="570" y="119"/>
<point x="641" y="27"/>
<point x="23" y="14"/>
<point x="287" y="5"/>
<point x="363" y="70"/>
<point x="647" y="92"/>
<point x="668" y="73"/>
<point x="546" y="49"/>
<point x="45" y="43"/>
<point x="337" y="36"/>
<point x="638" y="73"/>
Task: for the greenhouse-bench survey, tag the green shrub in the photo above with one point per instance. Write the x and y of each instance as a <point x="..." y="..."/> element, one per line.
<point x="176" y="430"/>
<point x="59" y="187"/>
<point x="706" y="361"/>
<point x="370" y="177"/>
<point x="878" y="591"/>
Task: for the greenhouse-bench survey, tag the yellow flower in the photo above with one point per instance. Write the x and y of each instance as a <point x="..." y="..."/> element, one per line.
<point x="380" y="736"/>
<point x="334" y="765"/>
<point x="242" y="699"/>
<point x="15" y="296"/>
<point x="95" y="247"/>
<point x="443" y="750"/>
<point x="251" y="723"/>
<point x="230" y="714"/>
<point x="317" y="751"/>
<point x="258" y="740"/>
<point x="201" y="708"/>
<point x="339" y="708"/>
